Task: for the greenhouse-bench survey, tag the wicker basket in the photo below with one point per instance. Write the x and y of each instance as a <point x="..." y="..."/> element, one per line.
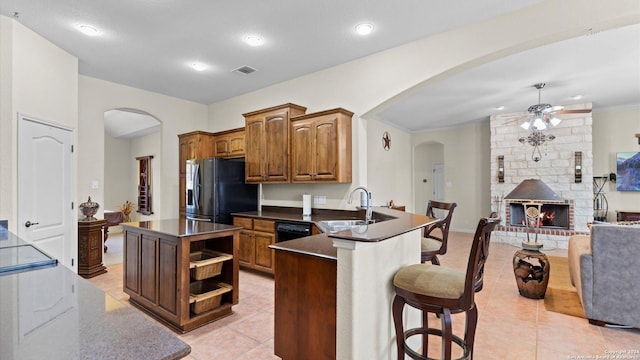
<point x="206" y="263"/>
<point x="206" y="295"/>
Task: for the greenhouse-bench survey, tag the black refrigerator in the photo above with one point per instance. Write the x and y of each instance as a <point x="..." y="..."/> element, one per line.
<point x="215" y="188"/>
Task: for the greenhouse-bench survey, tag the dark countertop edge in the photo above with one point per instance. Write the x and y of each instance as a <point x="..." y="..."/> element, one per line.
<point x="400" y="223"/>
<point x="136" y="225"/>
<point x="319" y="245"/>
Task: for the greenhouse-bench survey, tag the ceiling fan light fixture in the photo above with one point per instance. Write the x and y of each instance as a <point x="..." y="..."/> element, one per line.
<point x="554" y="121"/>
<point x="539" y="124"/>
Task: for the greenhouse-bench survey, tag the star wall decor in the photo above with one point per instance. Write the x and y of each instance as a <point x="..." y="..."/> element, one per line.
<point x="386" y="141"/>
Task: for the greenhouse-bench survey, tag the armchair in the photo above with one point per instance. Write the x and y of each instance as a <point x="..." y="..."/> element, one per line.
<point x="604" y="268"/>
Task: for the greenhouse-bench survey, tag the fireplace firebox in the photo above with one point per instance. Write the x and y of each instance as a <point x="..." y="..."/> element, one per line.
<point x="552" y="216"/>
<point x="555" y="212"/>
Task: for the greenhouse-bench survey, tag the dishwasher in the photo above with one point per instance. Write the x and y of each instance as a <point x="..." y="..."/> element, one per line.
<point x="289" y="230"/>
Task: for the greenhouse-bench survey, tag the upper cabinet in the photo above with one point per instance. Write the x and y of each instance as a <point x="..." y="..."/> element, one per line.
<point x="193" y="145"/>
<point x="229" y="144"/>
<point x="321" y="147"/>
<point x="267" y="143"/>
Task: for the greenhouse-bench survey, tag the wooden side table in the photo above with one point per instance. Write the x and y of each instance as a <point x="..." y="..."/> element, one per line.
<point x="90" y="248"/>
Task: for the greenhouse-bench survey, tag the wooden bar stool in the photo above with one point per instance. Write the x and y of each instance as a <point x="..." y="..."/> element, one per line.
<point x="442" y="291"/>
<point x="434" y="241"/>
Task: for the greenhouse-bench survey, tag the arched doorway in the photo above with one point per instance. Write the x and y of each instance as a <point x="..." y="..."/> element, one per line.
<point x="129" y="134"/>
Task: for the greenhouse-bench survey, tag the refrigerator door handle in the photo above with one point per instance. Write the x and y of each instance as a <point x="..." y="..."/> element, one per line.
<point x="196" y="185"/>
<point x="198" y="219"/>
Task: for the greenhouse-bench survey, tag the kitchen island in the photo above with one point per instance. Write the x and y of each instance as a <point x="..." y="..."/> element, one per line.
<point x="334" y="299"/>
<point x="50" y="312"/>
<point x="182" y="272"/>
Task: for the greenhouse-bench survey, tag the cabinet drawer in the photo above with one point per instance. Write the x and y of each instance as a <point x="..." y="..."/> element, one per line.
<point x="244" y="222"/>
<point x="264" y="225"/>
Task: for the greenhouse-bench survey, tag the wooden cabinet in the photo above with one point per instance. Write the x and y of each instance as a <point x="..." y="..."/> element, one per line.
<point x="229" y="144"/>
<point x="628" y="216"/>
<point x="158" y="277"/>
<point x="321" y="147"/>
<point x="193" y="145"/>
<point x="305" y="306"/>
<point x="267" y="143"/>
<point x="254" y="241"/>
<point x="90" y="248"/>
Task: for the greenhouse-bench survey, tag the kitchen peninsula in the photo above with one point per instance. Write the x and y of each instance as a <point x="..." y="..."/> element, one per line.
<point x="182" y="272"/>
<point x="50" y="312"/>
<point x="334" y="299"/>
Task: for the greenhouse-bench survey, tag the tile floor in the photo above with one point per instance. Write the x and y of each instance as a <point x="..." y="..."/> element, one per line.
<point x="509" y="326"/>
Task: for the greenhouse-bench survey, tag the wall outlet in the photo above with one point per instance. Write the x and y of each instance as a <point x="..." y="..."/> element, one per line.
<point x="320" y="199"/>
<point x="95" y="184"/>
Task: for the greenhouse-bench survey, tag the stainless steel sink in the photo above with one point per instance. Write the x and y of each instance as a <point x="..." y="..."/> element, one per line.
<point x="340" y="225"/>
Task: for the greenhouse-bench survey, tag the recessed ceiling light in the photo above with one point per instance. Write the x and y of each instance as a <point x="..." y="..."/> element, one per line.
<point x="364" y="29"/>
<point x="254" y="40"/>
<point x="499" y="107"/>
<point x="198" y="66"/>
<point x="576" y="97"/>
<point x="88" y="30"/>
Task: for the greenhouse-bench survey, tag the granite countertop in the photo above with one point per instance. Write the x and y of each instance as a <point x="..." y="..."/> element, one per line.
<point x="52" y="313"/>
<point x="181" y="227"/>
<point x="391" y="223"/>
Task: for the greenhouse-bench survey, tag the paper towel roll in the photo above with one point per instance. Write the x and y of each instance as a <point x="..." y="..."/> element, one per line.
<point x="306" y="205"/>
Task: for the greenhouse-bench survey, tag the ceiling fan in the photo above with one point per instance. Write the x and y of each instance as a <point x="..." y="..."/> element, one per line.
<point x="542" y="115"/>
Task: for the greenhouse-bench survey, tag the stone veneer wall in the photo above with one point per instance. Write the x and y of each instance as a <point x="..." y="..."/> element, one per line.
<point x="556" y="169"/>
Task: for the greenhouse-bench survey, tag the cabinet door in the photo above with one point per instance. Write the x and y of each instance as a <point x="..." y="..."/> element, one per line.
<point x="325" y="148"/>
<point x="263" y="255"/>
<point x="254" y="151"/>
<point x="246" y="248"/>
<point x="301" y="151"/>
<point x="168" y="275"/>
<point x="276" y="137"/>
<point x="131" y="258"/>
<point x="221" y="146"/>
<point x="236" y="144"/>
<point x="149" y="280"/>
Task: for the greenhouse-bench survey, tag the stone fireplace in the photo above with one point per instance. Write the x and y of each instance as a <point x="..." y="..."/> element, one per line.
<point x="567" y="205"/>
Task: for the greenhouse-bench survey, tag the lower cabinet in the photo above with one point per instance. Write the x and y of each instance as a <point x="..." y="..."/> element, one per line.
<point x="305" y="307"/>
<point x="184" y="281"/>
<point x="255" y="238"/>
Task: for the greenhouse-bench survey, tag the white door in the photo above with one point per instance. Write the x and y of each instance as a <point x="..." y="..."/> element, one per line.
<point x="438" y="182"/>
<point x="45" y="208"/>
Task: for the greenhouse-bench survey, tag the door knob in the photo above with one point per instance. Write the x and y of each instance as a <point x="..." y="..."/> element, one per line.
<point x="29" y="223"/>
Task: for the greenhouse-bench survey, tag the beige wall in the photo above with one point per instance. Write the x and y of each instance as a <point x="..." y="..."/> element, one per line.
<point x="614" y="131"/>
<point x="118" y="176"/>
<point x="40" y="80"/>
<point x="466" y="171"/>
<point x="177" y="116"/>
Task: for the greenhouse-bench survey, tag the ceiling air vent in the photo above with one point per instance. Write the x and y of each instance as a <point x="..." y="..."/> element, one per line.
<point x="246" y="70"/>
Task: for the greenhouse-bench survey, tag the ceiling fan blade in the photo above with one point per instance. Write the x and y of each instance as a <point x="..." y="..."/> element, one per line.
<point x="576" y="111"/>
<point x="552" y="109"/>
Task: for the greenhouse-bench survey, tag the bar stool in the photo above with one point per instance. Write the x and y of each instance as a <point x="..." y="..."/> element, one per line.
<point x="442" y="291"/>
<point x="434" y="241"/>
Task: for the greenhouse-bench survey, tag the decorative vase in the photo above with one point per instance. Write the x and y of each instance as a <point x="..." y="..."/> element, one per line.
<point x="89" y="209"/>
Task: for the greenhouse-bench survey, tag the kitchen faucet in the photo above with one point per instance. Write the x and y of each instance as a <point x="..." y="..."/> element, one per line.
<point x="369" y="212"/>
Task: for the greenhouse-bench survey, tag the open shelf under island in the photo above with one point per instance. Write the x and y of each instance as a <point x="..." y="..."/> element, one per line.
<point x="182" y="272"/>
